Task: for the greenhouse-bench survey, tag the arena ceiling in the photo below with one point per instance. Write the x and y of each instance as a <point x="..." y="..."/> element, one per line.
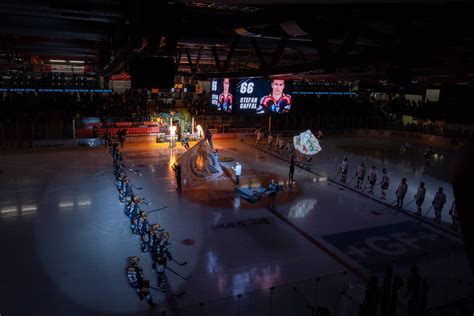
<point x="244" y="38"/>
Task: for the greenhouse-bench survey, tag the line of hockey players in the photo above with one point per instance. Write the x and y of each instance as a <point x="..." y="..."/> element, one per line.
<point x="371" y="182"/>
<point x="153" y="238"/>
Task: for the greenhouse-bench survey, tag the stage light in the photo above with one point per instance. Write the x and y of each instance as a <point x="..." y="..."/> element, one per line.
<point x="66" y="204"/>
<point x="84" y="203"/>
<point x="57" y="61"/>
<point x="200" y="131"/>
<point x="9" y="210"/>
<point x="28" y="208"/>
<point x="172" y="135"/>
<point x="77" y="61"/>
<point x="172" y="131"/>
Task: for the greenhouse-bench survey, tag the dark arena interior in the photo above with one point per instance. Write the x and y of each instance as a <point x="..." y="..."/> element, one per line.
<point x="268" y="158"/>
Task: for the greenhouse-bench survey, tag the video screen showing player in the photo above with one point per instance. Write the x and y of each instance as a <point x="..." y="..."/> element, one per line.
<point x="221" y="96"/>
<point x="277" y="101"/>
<point x="225" y="98"/>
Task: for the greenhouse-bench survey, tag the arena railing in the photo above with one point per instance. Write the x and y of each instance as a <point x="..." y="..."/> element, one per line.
<point x="342" y="293"/>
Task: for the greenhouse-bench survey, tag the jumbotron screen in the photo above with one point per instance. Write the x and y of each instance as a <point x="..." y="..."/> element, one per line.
<point x="251" y="96"/>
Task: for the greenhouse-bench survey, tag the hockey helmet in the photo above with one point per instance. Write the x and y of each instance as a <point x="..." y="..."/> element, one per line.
<point x="134" y="261"/>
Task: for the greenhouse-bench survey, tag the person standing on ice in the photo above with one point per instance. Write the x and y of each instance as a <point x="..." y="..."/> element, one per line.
<point x="269" y="141"/>
<point x="177" y="174"/>
<point x="259" y="137"/>
<point x="360" y="175"/>
<point x="438" y="203"/>
<point x="143" y="228"/>
<point x="138" y="282"/>
<point x="208" y="136"/>
<point x="372" y="177"/>
<point x="401" y="191"/>
<point x="343" y="170"/>
<point x="420" y="198"/>
<point x="238" y="171"/>
<point x="292" y="169"/>
<point x="384" y="183"/>
<point x="454" y="217"/>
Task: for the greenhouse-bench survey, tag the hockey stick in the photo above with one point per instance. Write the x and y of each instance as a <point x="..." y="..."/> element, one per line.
<point x="365" y="185"/>
<point x="134" y="170"/>
<point x="409" y="203"/>
<point x="180" y="263"/>
<point x="158" y="209"/>
<point x="181" y="276"/>
<point x="147" y="203"/>
<point x="164" y="290"/>
<point x="427" y="211"/>
<point x="352" y="179"/>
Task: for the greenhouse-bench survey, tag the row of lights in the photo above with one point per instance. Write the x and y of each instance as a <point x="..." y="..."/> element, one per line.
<point x="66" y="61"/>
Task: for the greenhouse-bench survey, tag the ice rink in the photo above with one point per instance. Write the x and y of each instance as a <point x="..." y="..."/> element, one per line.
<point x="65" y="239"/>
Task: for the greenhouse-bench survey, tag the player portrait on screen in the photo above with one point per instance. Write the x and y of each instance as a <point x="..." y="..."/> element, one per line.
<point x="276" y="101"/>
<point x="225" y="98"/>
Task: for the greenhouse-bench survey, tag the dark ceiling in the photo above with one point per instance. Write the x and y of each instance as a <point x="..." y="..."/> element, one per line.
<point x="426" y="38"/>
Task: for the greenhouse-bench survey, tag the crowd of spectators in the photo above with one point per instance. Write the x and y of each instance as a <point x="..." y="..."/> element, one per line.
<point x="199" y="104"/>
<point x="131" y="102"/>
<point x="309" y="111"/>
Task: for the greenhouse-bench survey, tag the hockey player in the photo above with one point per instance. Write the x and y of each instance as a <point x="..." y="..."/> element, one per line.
<point x="372" y="178"/>
<point x="114" y="150"/>
<point x="401" y="191"/>
<point x="420" y="198"/>
<point x="143" y="228"/>
<point x="281" y="144"/>
<point x="125" y="189"/>
<point x="119" y="183"/>
<point x="108" y="138"/>
<point x="155" y="239"/>
<point x="138" y="282"/>
<point x="134" y="213"/>
<point x="185" y="143"/>
<point x="427" y="155"/>
<point x="344" y="168"/>
<point x="454" y="217"/>
<point x="269" y="141"/>
<point x="160" y="259"/>
<point x="258" y="138"/>
<point x="360" y="175"/>
<point x="384" y="183"/>
<point x="131" y="206"/>
<point x="438" y="203"/>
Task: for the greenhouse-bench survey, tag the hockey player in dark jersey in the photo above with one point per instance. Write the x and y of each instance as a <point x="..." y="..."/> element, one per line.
<point x="143" y="228"/>
<point x="384" y="183"/>
<point x="277" y="101"/>
<point x="160" y="259"/>
<point x="343" y="170"/>
<point x="138" y="282"/>
<point x="372" y="178"/>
